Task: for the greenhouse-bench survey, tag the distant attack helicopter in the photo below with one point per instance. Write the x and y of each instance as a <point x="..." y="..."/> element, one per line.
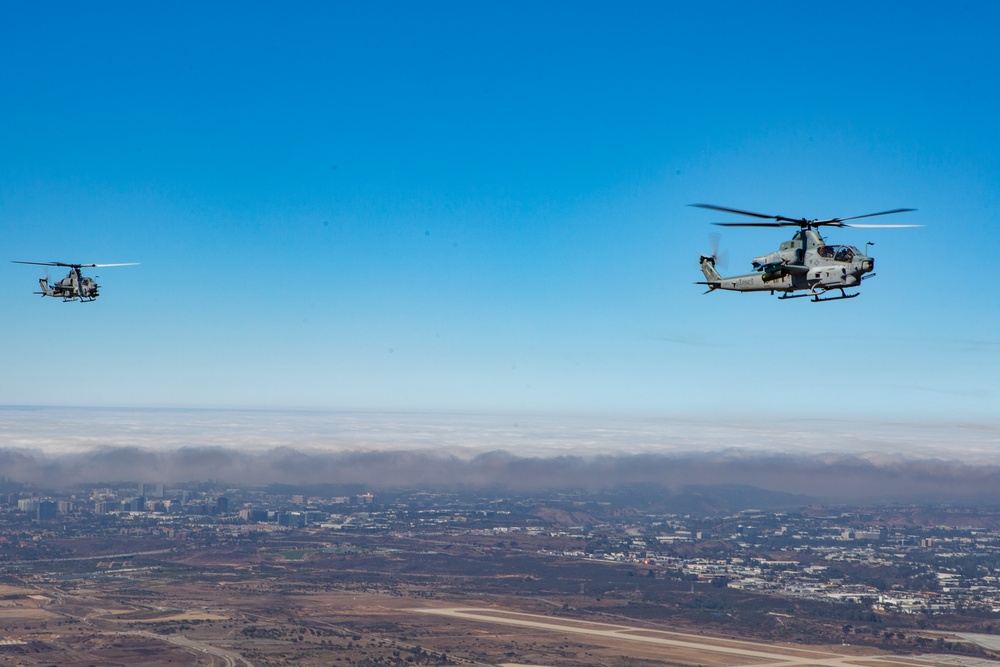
<point x="805" y="263"/>
<point x="75" y="286"/>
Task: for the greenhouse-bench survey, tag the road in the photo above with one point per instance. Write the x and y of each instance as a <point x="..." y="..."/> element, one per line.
<point x="229" y="658"/>
<point x="44" y="561"/>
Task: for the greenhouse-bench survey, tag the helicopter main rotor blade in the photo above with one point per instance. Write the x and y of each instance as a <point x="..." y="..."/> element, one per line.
<point x="864" y="226"/>
<point x="765" y="216"/>
<point x="782" y="221"/>
<point x="872" y="215"/>
<point x="839" y="222"/>
<point x="73" y="266"/>
<point x="756" y="224"/>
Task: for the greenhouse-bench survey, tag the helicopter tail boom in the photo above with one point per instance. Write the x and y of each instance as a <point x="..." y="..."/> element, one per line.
<point x="43" y="284"/>
<point x="708" y="268"/>
<point x="712" y="277"/>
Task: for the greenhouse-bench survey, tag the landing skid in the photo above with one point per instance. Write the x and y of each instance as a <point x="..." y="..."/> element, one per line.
<point x="816" y="296"/>
<point x="843" y="295"/>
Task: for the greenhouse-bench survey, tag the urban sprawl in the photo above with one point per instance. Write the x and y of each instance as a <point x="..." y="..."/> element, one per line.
<point x="891" y="559"/>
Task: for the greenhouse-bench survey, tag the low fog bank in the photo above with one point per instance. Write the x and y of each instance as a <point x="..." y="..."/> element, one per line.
<point x="832" y="460"/>
<point x="54" y="430"/>
<point x="826" y="477"/>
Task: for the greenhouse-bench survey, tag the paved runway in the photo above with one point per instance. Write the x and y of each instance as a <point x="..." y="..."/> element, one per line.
<point x="745" y="653"/>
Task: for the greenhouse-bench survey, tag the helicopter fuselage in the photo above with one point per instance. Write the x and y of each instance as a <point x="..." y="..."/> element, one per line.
<point x="805" y="262"/>
<point x="73" y="286"/>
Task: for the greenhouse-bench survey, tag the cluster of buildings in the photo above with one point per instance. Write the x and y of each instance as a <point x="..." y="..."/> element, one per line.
<point x="153" y="501"/>
<point x="907" y="568"/>
<point x="847" y="556"/>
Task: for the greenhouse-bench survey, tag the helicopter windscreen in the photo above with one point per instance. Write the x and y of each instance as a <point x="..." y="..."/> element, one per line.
<point x="838" y="253"/>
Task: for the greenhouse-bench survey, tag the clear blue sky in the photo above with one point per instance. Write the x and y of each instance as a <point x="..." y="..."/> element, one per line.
<point x="483" y="206"/>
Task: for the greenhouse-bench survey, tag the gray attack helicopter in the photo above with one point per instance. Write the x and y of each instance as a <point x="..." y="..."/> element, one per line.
<point x="803" y="264"/>
<point x="75" y="286"/>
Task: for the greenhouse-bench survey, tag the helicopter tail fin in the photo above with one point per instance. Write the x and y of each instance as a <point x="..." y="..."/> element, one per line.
<point x="713" y="279"/>
<point x="43" y="284"/>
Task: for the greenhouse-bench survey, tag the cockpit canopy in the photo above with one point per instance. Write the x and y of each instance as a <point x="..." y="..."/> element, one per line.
<point x="838" y="253"/>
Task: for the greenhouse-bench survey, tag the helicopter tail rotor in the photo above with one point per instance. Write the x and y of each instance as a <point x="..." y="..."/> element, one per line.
<point x="718" y="259"/>
<point x="712" y="277"/>
<point x="708" y="263"/>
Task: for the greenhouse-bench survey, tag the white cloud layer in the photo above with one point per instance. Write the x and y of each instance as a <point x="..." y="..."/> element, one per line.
<point x="75" y="430"/>
<point x="826" y="460"/>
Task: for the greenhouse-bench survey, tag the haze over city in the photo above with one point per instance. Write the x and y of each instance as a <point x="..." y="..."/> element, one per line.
<point x="443" y="230"/>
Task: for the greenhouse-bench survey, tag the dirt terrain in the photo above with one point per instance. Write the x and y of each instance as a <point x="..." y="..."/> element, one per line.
<point x="323" y="603"/>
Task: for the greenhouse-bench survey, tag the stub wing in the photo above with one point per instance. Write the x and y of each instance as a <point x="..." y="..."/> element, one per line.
<point x="795" y="269"/>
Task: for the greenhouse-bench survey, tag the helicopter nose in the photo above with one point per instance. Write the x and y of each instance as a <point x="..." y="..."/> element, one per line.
<point x="868" y="264"/>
